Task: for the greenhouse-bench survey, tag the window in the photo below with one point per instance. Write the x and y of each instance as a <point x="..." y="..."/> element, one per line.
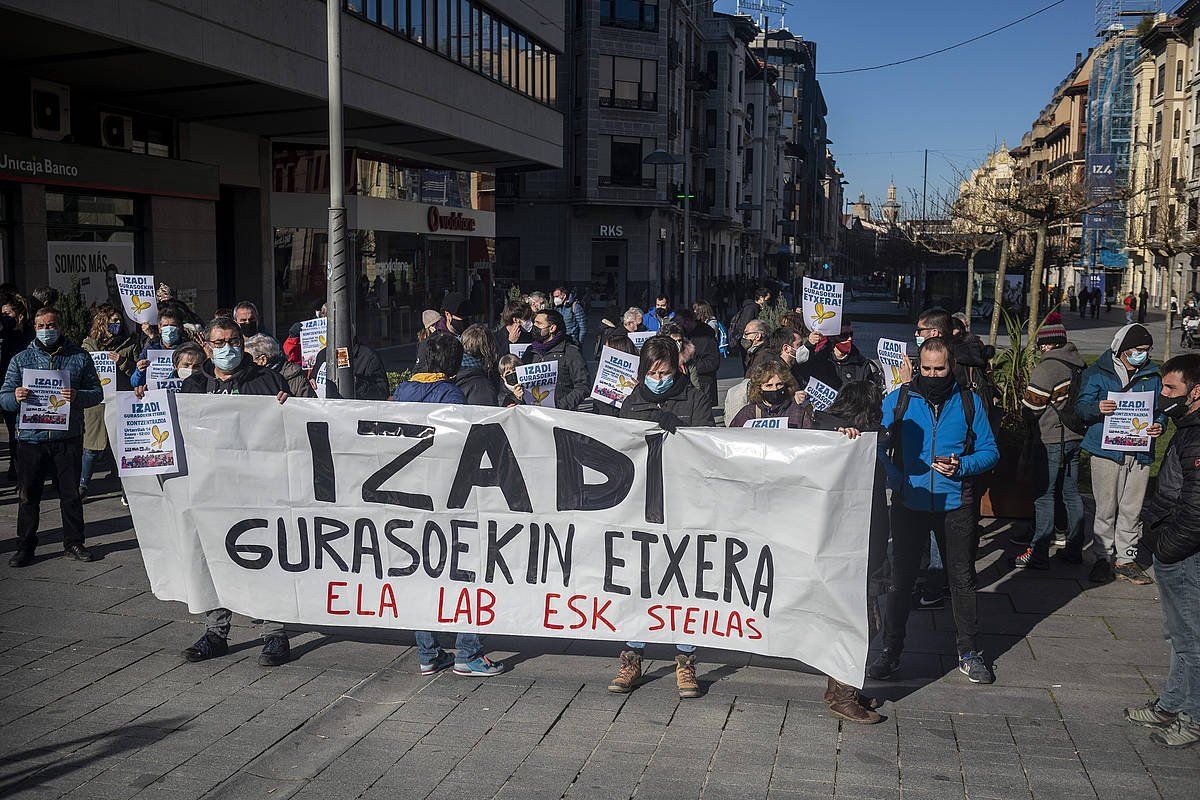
<point x="1179" y="76"/>
<point x="1193" y="210"/>
<point x="487" y="47"/>
<point x="1137" y="103"/>
<point x="1174" y="168"/>
<point x="1176" y="124"/>
<point x="710" y="129"/>
<point x="1158" y="125"/>
<point x="621" y="161"/>
<point x="505" y="49"/>
<point x="1196" y="161"/>
<point x="629" y="83"/>
<point x="638" y="14"/>
<point x="1162" y="79"/>
<point x="710" y="189"/>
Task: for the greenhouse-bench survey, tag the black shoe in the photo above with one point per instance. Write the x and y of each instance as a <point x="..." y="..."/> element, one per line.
<point x="78" y="552"/>
<point x="1072" y="554"/>
<point x="929" y="601"/>
<point x="22" y="558"/>
<point x="275" y="652"/>
<point x="207" y="646"/>
<point x="1102" y="572"/>
<point x="885" y="665"/>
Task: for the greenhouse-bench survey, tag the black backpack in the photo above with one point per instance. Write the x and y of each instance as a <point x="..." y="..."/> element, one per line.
<point x="968" y="403"/>
<point x="1068" y="415"/>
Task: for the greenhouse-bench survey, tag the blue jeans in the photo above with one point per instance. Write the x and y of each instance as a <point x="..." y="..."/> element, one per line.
<point x="1055" y="462"/>
<point x="468" y="645"/>
<point x="683" y="648"/>
<point x="1179" y="588"/>
<point x="90" y="457"/>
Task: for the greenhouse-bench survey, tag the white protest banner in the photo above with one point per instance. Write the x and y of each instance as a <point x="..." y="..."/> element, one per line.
<point x="1125" y="428"/>
<point x="166" y="384"/>
<point x="639" y="338"/>
<point x="94" y="264"/>
<point x="44" y="408"/>
<point x="312" y="340"/>
<point x="138" y="297"/>
<point x="822" y="306"/>
<point x="161" y="367"/>
<point x="146" y="441"/>
<point x="821" y="395"/>
<point x="774" y="423"/>
<point x="539" y="380"/>
<point x="891" y="354"/>
<point x="518" y="350"/>
<point x="616" y="377"/>
<point x="106" y="369"/>
<point x="526" y="521"/>
<point x="320" y="379"/>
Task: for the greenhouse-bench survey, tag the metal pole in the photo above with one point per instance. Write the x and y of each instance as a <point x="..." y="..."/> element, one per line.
<point x="687" y="158"/>
<point x="338" y="284"/>
<point x="762" y="169"/>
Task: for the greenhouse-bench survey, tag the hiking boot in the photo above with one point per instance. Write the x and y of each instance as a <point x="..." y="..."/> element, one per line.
<point x="1132" y="572"/>
<point x="843" y="701"/>
<point x="1031" y="560"/>
<point x="438" y="664"/>
<point x="685" y="676"/>
<point x="885" y="665"/>
<point x="275" y="651"/>
<point x="207" y="646"/>
<point x="1185" y="732"/>
<point x="975" y="668"/>
<point x="1102" y="572"/>
<point x="1151" y="715"/>
<point x="628" y="674"/>
<point x="480" y="666"/>
<point x="23" y="557"/>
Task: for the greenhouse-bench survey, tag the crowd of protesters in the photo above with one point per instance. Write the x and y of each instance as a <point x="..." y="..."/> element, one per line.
<point x="937" y="435"/>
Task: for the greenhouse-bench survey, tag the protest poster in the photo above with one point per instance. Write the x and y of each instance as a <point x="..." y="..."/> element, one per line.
<point x="616" y="376"/>
<point x="138" y="297"/>
<point x="639" y="338"/>
<point x="822" y="306"/>
<point x="521" y="521"/>
<point x="518" y="350"/>
<point x="146" y="439"/>
<point x="821" y="395"/>
<point x="312" y="340"/>
<point x="161" y="367"/>
<point x="774" y="423"/>
<point x="106" y="370"/>
<point x="1125" y="428"/>
<point x="165" y="384"/>
<point x="45" y="408"/>
<point x="539" y="380"/>
<point x="891" y="353"/>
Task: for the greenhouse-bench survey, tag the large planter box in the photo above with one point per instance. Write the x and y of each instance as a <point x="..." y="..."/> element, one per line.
<point x="1008" y="489"/>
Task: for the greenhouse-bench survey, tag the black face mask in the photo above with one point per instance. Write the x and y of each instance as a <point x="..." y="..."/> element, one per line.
<point x="935" y="390"/>
<point x="774" y="397"/>
<point x="662" y="312"/>
<point x="1175" y="408"/>
<point x="249" y="328"/>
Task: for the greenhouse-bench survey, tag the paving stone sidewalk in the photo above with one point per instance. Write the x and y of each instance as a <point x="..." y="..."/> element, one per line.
<point x="97" y="703"/>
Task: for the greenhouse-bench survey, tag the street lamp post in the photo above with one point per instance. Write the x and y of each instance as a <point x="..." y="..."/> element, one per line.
<point x="338" y="281"/>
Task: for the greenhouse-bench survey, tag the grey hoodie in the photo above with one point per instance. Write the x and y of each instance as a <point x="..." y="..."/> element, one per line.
<point x="1047" y="392"/>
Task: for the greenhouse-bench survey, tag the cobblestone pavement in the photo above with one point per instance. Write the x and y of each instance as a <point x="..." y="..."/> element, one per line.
<point x="96" y="702"/>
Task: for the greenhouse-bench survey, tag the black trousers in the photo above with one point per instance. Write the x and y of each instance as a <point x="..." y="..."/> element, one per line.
<point x="61" y="461"/>
<point x="958" y="540"/>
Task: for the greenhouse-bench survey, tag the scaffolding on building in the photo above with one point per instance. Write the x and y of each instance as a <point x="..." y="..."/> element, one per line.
<point x="1114" y="14"/>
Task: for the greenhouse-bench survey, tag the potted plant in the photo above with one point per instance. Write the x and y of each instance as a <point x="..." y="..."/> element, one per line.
<point x="1009" y="488"/>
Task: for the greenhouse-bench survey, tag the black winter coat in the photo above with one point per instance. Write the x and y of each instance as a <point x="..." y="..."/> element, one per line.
<point x="854" y="367"/>
<point x="478" y="387"/>
<point x="1172" y="516"/>
<point x="682" y="400"/>
<point x="370" y="376"/>
<point x="248" y="378"/>
<point x="573" y="385"/>
<point x="702" y="369"/>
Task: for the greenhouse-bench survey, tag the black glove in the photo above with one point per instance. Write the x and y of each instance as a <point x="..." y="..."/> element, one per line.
<point x="666" y="420"/>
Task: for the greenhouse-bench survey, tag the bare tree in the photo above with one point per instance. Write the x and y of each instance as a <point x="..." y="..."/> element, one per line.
<point x="958" y="232"/>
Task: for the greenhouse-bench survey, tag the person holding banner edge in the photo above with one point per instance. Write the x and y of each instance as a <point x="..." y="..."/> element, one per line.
<point x="230" y="371"/>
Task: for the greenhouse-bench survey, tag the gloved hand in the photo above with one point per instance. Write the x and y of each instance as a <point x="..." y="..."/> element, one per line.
<point x="666" y="420"/>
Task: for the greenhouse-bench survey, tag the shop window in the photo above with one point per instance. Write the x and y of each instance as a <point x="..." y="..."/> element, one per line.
<point x="628" y="83"/>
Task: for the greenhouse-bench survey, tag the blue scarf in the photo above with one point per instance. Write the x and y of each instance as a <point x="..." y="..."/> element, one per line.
<point x="470" y="362"/>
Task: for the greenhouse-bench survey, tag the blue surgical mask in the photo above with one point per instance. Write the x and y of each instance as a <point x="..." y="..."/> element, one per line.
<point x="920" y="340"/>
<point x="226" y="358"/>
<point x="114" y="328"/>
<point x="47" y="336"/>
<point x="1137" y="357"/>
<point x="659" y="386"/>
<point x="170" y="334"/>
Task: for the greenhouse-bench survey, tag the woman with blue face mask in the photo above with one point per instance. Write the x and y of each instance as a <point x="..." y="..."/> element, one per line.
<point x="107" y="335"/>
<point x="170" y="335"/>
<point x="664" y="395"/>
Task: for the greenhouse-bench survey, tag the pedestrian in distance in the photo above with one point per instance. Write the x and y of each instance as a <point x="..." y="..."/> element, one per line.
<point x="1119" y="478"/>
<point x="1172" y="518"/>
<point x="1142" y="304"/>
<point x="573" y="313"/>
<point x="230" y="371"/>
<point x="57" y="454"/>
<point x="246" y="315"/>
<point x="660" y="314"/>
<point x="704" y="312"/>
<point x="443" y="361"/>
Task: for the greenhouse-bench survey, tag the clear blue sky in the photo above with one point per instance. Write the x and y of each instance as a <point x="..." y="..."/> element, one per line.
<point x="963" y="101"/>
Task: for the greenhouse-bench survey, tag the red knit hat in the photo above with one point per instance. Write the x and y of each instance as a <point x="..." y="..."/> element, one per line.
<point x="1052" y="331"/>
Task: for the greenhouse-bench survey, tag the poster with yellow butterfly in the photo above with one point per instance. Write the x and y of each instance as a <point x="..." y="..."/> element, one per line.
<point x="138" y="298"/>
<point x="146" y="442"/>
<point x="539" y="381"/>
<point x="822" y="306"/>
<point x="45" y="408"/>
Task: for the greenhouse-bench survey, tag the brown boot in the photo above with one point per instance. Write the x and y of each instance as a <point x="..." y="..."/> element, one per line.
<point x="843" y="701"/>
<point x="629" y="674"/>
<point x="685" y="676"/>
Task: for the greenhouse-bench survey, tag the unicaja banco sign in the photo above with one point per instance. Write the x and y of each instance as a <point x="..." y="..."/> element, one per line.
<point x="436" y="220"/>
<point x="37" y="166"/>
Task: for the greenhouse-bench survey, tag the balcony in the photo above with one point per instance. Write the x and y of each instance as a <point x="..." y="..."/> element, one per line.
<point x="1067" y="159"/>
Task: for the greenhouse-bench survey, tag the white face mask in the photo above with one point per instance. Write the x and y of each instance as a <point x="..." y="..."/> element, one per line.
<point x="184" y="372"/>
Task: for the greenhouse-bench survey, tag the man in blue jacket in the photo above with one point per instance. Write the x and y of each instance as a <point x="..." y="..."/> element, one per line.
<point x="939" y="439"/>
<point x="59" y="453"/>
<point x="1119" y="478"/>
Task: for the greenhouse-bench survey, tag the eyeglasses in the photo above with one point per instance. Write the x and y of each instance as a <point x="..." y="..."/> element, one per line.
<point x="225" y="342"/>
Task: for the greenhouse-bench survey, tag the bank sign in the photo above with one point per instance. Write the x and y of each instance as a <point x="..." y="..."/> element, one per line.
<point x="35" y="166"/>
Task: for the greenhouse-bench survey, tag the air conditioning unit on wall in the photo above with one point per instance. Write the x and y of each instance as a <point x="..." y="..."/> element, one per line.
<point x="116" y="131"/>
<point x="50" y="110"/>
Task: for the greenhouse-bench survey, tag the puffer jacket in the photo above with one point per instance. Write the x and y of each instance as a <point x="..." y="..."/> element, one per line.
<point x="926" y="432"/>
<point x="1098" y="380"/>
<point x="424" y="391"/>
<point x="682" y="399"/>
<point x="65" y="355"/>
<point x="248" y="378"/>
<point x="1172" y="516"/>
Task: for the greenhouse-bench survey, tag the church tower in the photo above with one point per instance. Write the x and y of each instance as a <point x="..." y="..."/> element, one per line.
<point x="891" y="209"/>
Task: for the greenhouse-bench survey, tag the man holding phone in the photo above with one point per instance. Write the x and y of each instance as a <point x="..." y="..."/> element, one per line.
<point x="938" y="439"/>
